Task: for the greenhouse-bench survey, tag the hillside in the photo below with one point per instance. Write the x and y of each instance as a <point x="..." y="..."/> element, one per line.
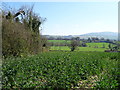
<point x="106" y="35"/>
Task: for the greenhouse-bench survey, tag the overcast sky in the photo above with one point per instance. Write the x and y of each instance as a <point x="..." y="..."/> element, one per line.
<point x="75" y="18"/>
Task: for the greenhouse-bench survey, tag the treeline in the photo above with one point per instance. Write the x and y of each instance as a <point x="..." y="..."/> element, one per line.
<point x="73" y="43"/>
<point x="82" y="42"/>
<point x="87" y="40"/>
<point x="20" y="32"/>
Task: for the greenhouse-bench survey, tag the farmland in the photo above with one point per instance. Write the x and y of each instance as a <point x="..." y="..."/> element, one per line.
<point x="60" y="60"/>
<point x="61" y="69"/>
<point x="90" y="46"/>
<point x="86" y="67"/>
<point x="59" y="41"/>
<point x="68" y="41"/>
<point x="66" y="48"/>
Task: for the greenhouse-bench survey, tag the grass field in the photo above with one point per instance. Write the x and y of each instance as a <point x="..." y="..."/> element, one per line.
<point x="90" y="46"/>
<point x="99" y="45"/>
<point x="66" y="48"/>
<point x="58" y="69"/>
<point x="59" y="41"/>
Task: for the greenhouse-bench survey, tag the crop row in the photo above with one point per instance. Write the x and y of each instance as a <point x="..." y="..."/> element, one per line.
<point x="62" y="70"/>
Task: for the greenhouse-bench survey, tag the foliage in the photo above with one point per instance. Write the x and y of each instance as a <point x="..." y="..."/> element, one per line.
<point x="62" y="70"/>
<point x="13" y="39"/>
<point x="20" y="32"/>
<point x="74" y="44"/>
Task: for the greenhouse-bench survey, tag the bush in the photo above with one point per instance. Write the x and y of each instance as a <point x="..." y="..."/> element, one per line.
<point x="21" y="36"/>
<point x="14" y="38"/>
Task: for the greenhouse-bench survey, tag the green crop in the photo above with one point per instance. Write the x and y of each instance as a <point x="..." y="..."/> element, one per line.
<point x="65" y="70"/>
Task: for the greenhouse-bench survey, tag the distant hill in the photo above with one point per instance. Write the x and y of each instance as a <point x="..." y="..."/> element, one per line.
<point x="106" y="35"/>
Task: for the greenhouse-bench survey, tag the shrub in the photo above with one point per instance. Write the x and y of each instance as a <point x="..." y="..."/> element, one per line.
<point x="20" y="35"/>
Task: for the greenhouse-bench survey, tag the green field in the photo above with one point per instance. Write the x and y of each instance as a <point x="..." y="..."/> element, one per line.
<point x="59" y="69"/>
<point x="59" y="41"/>
<point x="99" y="45"/>
<point x="90" y="46"/>
<point x="66" y="48"/>
<point x="60" y="48"/>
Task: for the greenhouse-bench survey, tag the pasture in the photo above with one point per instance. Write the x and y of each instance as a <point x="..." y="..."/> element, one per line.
<point x="66" y="48"/>
<point x="90" y="46"/>
<point x="99" y="45"/>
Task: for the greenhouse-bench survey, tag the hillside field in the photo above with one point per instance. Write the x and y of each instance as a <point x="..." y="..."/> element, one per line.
<point x="59" y="69"/>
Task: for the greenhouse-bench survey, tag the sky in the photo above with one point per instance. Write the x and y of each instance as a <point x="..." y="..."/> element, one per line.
<point x="74" y="18"/>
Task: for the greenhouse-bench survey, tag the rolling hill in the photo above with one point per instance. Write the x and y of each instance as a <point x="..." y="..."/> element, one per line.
<point x="106" y="35"/>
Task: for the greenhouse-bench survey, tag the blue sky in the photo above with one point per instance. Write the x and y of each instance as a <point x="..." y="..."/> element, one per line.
<point x="75" y="18"/>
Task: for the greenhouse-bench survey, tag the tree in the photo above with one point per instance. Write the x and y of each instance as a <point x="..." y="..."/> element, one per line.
<point x="89" y="40"/>
<point x="109" y="46"/>
<point x="74" y="44"/>
<point x="20" y="32"/>
<point x="84" y="44"/>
